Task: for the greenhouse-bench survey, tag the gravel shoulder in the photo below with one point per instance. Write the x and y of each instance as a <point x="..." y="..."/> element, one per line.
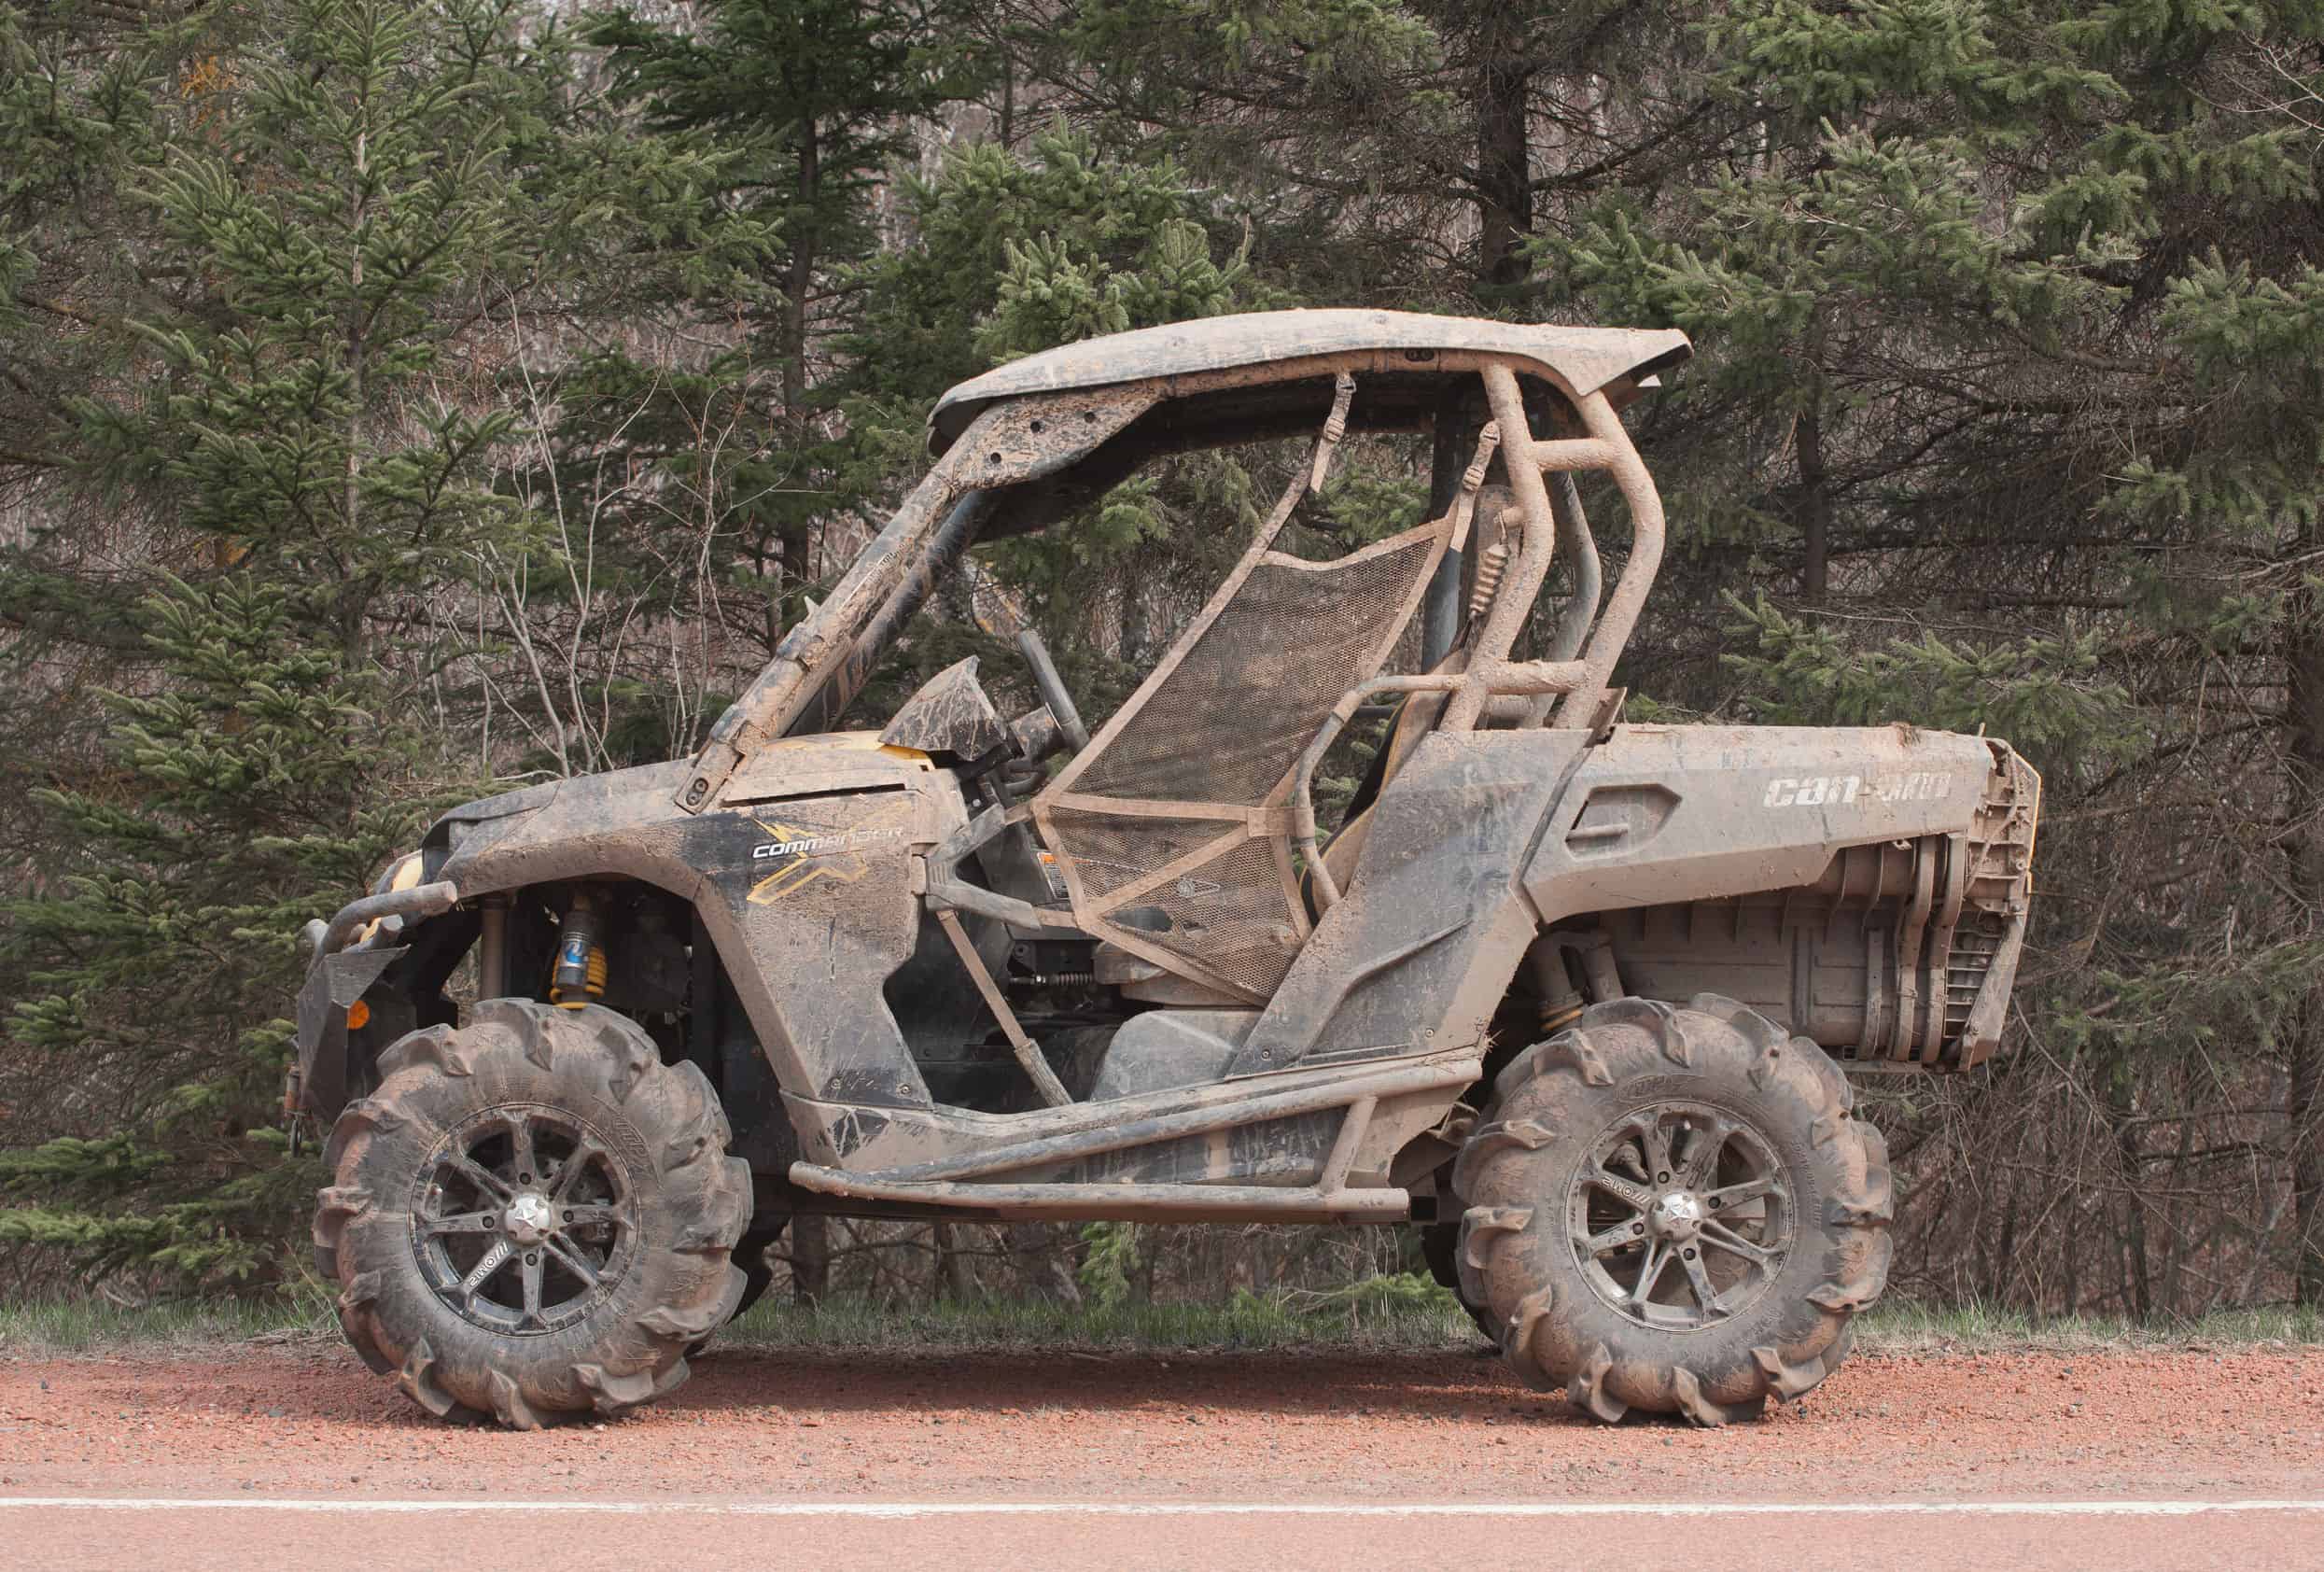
<point x="302" y="1419"/>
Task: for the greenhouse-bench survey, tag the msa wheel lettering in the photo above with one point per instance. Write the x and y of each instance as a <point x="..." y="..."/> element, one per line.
<point x="1818" y="791"/>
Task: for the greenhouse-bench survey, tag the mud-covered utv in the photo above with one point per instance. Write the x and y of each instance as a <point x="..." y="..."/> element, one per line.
<point x="1574" y="995"/>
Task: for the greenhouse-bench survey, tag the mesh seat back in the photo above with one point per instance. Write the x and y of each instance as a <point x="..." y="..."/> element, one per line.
<point x="1171" y="826"/>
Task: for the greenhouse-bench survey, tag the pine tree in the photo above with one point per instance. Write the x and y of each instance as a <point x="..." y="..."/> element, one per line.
<point x="1015" y="252"/>
<point x="88" y="98"/>
<point x="163" y="956"/>
<point x="319" y="441"/>
<point x="813" y="100"/>
<point x="1979" y="299"/>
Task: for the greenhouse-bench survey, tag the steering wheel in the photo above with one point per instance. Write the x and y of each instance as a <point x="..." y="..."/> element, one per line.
<point x="1052" y="689"/>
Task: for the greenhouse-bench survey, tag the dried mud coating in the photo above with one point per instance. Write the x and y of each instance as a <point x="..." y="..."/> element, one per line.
<point x="806" y="864"/>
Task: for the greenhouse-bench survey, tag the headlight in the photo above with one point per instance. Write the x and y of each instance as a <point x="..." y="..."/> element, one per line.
<point x="401" y="874"/>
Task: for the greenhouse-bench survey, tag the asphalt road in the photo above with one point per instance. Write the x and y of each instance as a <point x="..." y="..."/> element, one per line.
<point x="261" y="1533"/>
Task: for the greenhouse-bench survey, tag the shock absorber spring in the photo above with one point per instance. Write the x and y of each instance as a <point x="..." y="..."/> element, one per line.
<point x="1490" y="567"/>
<point x="579" y="974"/>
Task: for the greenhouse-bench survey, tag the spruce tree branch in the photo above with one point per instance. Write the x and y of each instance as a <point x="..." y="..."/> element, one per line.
<point x="1591" y="174"/>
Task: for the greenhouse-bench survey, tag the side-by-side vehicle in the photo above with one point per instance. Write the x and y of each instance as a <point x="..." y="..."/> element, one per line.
<point x="1576" y="996"/>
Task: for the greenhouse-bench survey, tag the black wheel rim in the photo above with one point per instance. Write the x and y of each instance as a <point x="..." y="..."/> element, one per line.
<point x="1681" y="1215"/>
<point x="522" y="1219"/>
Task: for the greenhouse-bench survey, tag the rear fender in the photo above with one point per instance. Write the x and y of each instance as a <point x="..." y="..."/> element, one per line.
<point x="1869" y="887"/>
<point x="1483" y="839"/>
<point x="1658" y="814"/>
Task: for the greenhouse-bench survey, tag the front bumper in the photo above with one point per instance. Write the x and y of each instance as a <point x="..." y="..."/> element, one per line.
<point x="338" y="976"/>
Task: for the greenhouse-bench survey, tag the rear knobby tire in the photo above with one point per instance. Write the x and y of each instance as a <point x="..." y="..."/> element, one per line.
<point x="504" y="1132"/>
<point x="1544" y="1176"/>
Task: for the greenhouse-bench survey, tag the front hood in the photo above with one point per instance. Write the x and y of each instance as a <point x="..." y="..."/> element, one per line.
<point x="448" y="831"/>
<point x="442" y="832"/>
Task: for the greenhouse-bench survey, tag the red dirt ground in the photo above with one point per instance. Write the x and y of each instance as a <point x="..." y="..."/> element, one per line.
<point x="1274" y="1426"/>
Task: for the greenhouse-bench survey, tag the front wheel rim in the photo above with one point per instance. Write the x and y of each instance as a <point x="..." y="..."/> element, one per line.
<point x="1681" y="1215"/>
<point x="524" y="1219"/>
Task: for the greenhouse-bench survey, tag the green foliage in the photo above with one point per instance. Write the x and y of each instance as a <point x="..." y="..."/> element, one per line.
<point x="2051" y="698"/>
<point x="808" y="102"/>
<point x="2205" y="1014"/>
<point x="1016" y="252"/>
<point x="1109" y="1257"/>
<point x="1368" y="506"/>
<point x="1049" y="294"/>
<point x="1384" y="1295"/>
<point x="318" y="458"/>
<point x="162" y="951"/>
<point x="396" y="390"/>
<point x="1319" y="38"/>
<point x="357" y="190"/>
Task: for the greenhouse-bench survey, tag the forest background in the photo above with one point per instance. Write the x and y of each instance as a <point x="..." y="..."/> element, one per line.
<point x="404" y="397"/>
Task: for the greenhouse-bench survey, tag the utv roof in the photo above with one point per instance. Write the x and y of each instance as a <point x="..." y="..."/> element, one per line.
<point x="1585" y="359"/>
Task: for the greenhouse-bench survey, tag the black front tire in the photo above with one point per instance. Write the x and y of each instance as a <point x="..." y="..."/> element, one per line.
<point x="533" y="1216"/>
<point x="1440" y="1248"/>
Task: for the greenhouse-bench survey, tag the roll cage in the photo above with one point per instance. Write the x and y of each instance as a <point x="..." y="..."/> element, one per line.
<point x="1024" y="444"/>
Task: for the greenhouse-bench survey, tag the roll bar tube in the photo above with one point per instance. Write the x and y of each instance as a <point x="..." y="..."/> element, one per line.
<point x="421" y="900"/>
<point x="1526" y="458"/>
<point x="1547" y="523"/>
<point x="1638" y="572"/>
<point x="1581" y="610"/>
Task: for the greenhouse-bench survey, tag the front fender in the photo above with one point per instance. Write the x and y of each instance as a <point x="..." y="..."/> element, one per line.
<point x="801" y="876"/>
<point x="334" y="982"/>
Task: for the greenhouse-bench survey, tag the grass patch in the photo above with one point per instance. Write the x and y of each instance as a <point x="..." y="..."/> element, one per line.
<point x="48" y="1329"/>
<point x="1380" y="1322"/>
<point x="1385" y="1315"/>
<point x="1903" y="1326"/>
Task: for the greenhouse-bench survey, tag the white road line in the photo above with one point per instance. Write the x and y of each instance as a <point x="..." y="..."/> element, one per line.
<point x="2164" y="1508"/>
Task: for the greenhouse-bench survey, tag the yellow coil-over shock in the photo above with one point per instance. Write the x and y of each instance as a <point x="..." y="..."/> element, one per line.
<point x="579" y="974"/>
<point x="1555" y="1019"/>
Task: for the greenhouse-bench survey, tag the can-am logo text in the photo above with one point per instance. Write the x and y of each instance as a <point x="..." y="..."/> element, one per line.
<point x="1817" y="791"/>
